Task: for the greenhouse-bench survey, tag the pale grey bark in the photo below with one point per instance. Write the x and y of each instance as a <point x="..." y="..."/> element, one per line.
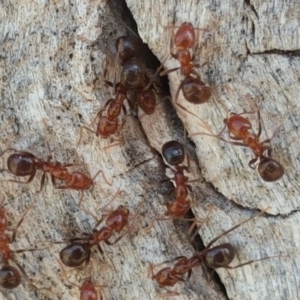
<point x="52" y="64"/>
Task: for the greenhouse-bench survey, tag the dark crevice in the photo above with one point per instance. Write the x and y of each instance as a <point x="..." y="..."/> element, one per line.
<point x="289" y="53"/>
<point x="248" y="3"/>
<point x="152" y="63"/>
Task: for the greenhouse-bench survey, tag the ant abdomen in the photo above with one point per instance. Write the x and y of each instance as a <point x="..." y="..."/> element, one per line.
<point x="173" y="153"/>
<point x="269" y="169"/>
<point x="21" y="165"/>
<point x="127" y="49"/>
<point x="9" y="277"/>
<point x="195" y="91"/>
<point x="220" y="256"/>
<point x="75" y="254"/>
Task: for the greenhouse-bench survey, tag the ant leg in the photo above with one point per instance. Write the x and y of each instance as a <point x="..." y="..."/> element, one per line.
<point x="42" y="183"/>
<point x="107" y="242"/>
<point x="101" y="172"/>
<point x="25" y="275"/>
<point x="162" y="218"/>
<point x="152" y="266"/>
<point x="252" y="162"/>
<point x="165" y="72"/>
<point x="169" y="294"/>
<point x="105" y="215"/>
<point x="80" y="133"/>
<point x="184" y="109"/>
<point x="252" y="261"/>
<point x="202" y="222"/>
<point x="64" y="273"/>
<point x="234" y="227"/>
<point x="19" y="223"/>
<point x="21" y="182"/>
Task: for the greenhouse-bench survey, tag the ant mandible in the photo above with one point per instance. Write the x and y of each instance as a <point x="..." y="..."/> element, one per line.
<point x="87" y="289"/>
<point x="213" y="257"/>
<point x="184" y="41"/>
<point x="22" y="163"/>
<point x="241" y="132"/>
<point x="79" y="250"/>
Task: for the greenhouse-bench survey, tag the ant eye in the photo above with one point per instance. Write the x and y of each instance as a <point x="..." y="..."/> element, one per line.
<point x="270" y="170"/>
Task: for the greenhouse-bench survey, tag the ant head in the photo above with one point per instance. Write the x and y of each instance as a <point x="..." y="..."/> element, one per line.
<point x="75" y="254"/>
<point x="88" y="288"/>
<point x="21" y="164"/>
<point x="10" y="277"/>
<point x="219" y="256"/>
<point x="173" y="153"/>
<point x="269" y="169"/>
<point x="118" y="218"/>
<point x="185" y="36"/>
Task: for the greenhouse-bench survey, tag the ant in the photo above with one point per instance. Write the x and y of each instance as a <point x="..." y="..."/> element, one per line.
<point x="87" y="289"/>
<point x="10" y="276"/>
<point x="109" y="124"/>
<point x="184" y="41"/>
<point x="133" y="74"/>
<point x="79" y="250"/>
<point x="22" y="163"/>
<point x="213" y="257"/>
<point x="241" y="132"/>
<point x="132" y="77"/>
<point x="174" y="154"/>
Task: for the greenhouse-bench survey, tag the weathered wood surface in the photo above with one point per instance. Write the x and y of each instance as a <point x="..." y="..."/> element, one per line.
<point x="53" y="57"/>
<point x="253" y="50"/>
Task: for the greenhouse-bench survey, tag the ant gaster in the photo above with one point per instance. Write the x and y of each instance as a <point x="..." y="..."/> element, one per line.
<point x="77" y="253"/>
<point x="213" y="257"/>
<point x="194" y="90"/>
<point x="241" y="132"/>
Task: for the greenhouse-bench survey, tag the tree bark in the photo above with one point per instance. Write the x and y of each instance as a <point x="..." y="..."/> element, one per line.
<point x="53" y="61"/>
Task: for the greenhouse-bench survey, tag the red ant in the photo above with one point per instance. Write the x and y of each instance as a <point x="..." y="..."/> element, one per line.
<point x="194" y="90"/>
<point x="24" y="163"/>
<point x="213" y="257"/>
<point x="174" y="154"/>
<point x="240" y="130"/>
<point x="133" y="74"/>
<point x="79" y="250"/>
<point x="87" y="289"/>
<point x="132" y="77"/>
<point x="109" y="124"/>
<point x="10" y="276"/>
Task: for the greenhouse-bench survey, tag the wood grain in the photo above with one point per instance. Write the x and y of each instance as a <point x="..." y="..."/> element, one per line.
<point x="53" y="58"/>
